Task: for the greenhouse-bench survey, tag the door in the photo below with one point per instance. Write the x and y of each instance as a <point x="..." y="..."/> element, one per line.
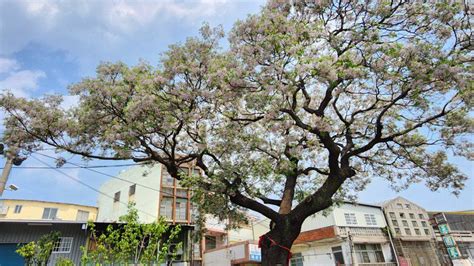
<point x="8" y="256"/>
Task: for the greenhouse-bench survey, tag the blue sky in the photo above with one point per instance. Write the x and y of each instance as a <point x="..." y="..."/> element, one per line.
<point x="47" y="45"/>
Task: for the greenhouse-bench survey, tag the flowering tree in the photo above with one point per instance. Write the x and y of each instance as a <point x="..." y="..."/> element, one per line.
<point x="311" y="101"/>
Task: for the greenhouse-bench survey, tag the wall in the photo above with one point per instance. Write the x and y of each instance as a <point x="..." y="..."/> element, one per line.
<point x="33" y="210"/>
<point x="224" y="256"/>
<point x="359" y="211"/>
<point x="146" y="198"/>
<point x="22" y="232"/>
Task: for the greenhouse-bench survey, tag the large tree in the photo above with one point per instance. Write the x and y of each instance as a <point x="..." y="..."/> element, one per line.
<point x="310" y="102"/>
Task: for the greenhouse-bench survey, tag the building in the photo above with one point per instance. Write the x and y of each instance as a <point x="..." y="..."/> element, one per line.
<point x="15" y="232"/>
<point x="17" y="209"/>
<point x="460" y="226"/>
<point x="155" y="194"/>
<point x="413" y="237"/>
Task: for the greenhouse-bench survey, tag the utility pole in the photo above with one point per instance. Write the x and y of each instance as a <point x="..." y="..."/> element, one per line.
<point x="5" y="174"/>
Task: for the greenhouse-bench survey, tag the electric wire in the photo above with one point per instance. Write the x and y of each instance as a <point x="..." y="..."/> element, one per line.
<point x="88" y="186"/>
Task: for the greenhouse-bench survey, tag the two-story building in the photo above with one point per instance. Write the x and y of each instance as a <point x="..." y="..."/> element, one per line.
<point x="413" y="235"/>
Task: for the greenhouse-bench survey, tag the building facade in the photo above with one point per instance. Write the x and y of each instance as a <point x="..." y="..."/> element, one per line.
<point x="17" y="209"/>
<point x="347" y="234"/>
<point x="413" y="236"/>
<point x="16" y="232"/>
<point x="155" y="194"/>
<point x="460" y="226"/>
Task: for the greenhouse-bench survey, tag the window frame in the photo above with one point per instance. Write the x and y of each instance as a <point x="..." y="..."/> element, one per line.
<point x="63" y="249"/>
<point x="132" y="190"/>
<point x="18" y="208"/>
<point x="83" y="212"/>
<point x="117" y="196"/>
<point x="49" y="213"/>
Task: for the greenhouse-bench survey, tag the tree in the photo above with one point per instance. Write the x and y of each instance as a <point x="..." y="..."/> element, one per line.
<point x="132" y="242"/>
<point x="310" y="102"/>
<point x="38" y="253"/>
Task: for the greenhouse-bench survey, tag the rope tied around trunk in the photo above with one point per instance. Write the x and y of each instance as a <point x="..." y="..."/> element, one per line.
<point x="274" y="243"/>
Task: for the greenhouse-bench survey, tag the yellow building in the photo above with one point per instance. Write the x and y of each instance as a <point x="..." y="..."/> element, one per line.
<point x="16" y="209"/>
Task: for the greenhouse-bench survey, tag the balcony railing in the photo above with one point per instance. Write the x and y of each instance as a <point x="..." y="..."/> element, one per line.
<point x="359" y="231"/>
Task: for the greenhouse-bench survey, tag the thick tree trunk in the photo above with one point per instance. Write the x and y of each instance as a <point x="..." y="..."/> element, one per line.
<point x="275" y="244"/>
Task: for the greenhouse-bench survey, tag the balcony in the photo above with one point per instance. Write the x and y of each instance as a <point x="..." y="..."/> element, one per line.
<point x="459" y="236"/>
<point x="363" y="234"/>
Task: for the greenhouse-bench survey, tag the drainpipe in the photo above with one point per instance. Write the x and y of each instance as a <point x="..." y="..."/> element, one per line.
<point x="389" y="232"/>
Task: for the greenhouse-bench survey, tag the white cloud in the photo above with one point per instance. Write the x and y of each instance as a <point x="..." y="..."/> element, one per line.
<point x="22" y="83"/>
<point x="7" y="65"/>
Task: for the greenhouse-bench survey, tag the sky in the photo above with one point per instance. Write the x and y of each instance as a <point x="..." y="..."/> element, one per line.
<point x="47" y="45"/>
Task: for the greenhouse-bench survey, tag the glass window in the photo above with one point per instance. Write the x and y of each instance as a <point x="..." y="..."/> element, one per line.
<point x="415" y="224"/>
<point x="407" y="206"/>
<point x="424" y="224"/>
<point x="182" y="193"/>
<point x="417" y="231"/>
<point x="181" y="209"/>
<point x="369" y="253"/>
<point x="350" y="218"/>
<point x="427" y="232"/>
<point x="405" y="223"/>
<point x="395" y="222"/>
<point x="337" y="254"/>
<point x="296" y="260"/>
<point x="412" y="216"/>
<point x="370" y="219"/>
<point x="50" y="213"/>
<point x="168" y="180"/>
<point x="397" y="231"/>
<point x="166" y="208"/>
<point x="407" y="231"/>
<point x="82" y="215"/>
<point x="63" y="245"/>
<point x="402" y="215"/>
<point x="399" y="205"/>
<point x="211" y="242"/>
<point x="392" y="215"/>
<point x="167" y="191"/>
<point x="196" y="171"/>
<point x="420" y="215"/>
<point x="131" y="190"/>
<point x="117" y="196"/>
<point x="18" y="208"/>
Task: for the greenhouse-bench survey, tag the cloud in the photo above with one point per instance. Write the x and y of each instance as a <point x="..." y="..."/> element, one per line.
<point x="7" y="65"/>
<point x="22" y="83"/>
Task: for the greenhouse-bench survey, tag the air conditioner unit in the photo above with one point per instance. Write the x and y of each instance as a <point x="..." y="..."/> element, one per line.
<point x="3" y="210"/>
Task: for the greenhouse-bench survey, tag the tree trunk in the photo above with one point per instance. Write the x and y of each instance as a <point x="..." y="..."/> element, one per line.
<point x="275" y="245"/>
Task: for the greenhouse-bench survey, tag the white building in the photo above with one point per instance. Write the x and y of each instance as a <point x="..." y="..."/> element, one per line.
<point x="348" y="234"/>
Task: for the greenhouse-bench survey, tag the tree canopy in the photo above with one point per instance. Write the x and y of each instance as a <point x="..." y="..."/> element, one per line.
<point x="311" y="100"/>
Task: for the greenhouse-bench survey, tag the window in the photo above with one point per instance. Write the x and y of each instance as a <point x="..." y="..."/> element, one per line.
<point x="18" y="208"/>
<point x="117" y="197"/>
<point x="82" y="215"/>
<point x="423" y="223"/>
<point x="405" y="223"/>
<point x="417" y="232"/>
<point x="399" y="205"/>
<point x="167" y="191"/>
<point x="407" y="206"/>
<point x="395" y="222"/>
<point x="181" y="209"/>
<point x="166" y="208"/>
<point x="211" y="242"/>
<point x="296" y="260"/>
<point x="131" y="190"/>
<point x="420" y="215"/>
<point x="63" y="245"/>
<point x="168" y="180"/>
<point x="415" y="224"/>
<point x="407" y="231"/>
<point x="427" y="232"/>
<point x="50" y="213"/>
<point x="350" y="218"/>
<point x="397" y="231"/>
<point x="182" y="193"/>
<point x="412" y="216"/>
<point x="392" y="215"/>
<point x="368" y="253"/>
<point x="337" y="254"/>
<point x="402" y="215"/>
<point x="370" y="219"/>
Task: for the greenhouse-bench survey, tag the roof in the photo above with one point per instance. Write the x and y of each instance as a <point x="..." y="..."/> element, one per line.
<point x="40" y="221"/>
<point x="55" y="202"/>
<point x="465" y="212"/>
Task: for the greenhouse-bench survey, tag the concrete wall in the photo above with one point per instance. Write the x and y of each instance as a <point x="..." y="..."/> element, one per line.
<point x="33" y="210"/>
<point x="146" y="198"/>
<point x="224" y="256"/>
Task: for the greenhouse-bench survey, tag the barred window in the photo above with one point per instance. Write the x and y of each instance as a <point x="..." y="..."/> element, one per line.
<point x="63" y="245"/>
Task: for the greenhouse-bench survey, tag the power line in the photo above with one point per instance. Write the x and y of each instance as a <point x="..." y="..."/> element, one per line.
<point x="108" y="175"/>
<point x="87" y="185"/>
<point x="75" y="167"/>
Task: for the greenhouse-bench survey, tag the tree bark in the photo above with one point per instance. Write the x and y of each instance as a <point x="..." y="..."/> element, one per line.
<point x="275" y="244"/>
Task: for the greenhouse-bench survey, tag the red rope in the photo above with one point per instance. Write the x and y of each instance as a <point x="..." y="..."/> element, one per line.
<point x="274" y="243"/>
